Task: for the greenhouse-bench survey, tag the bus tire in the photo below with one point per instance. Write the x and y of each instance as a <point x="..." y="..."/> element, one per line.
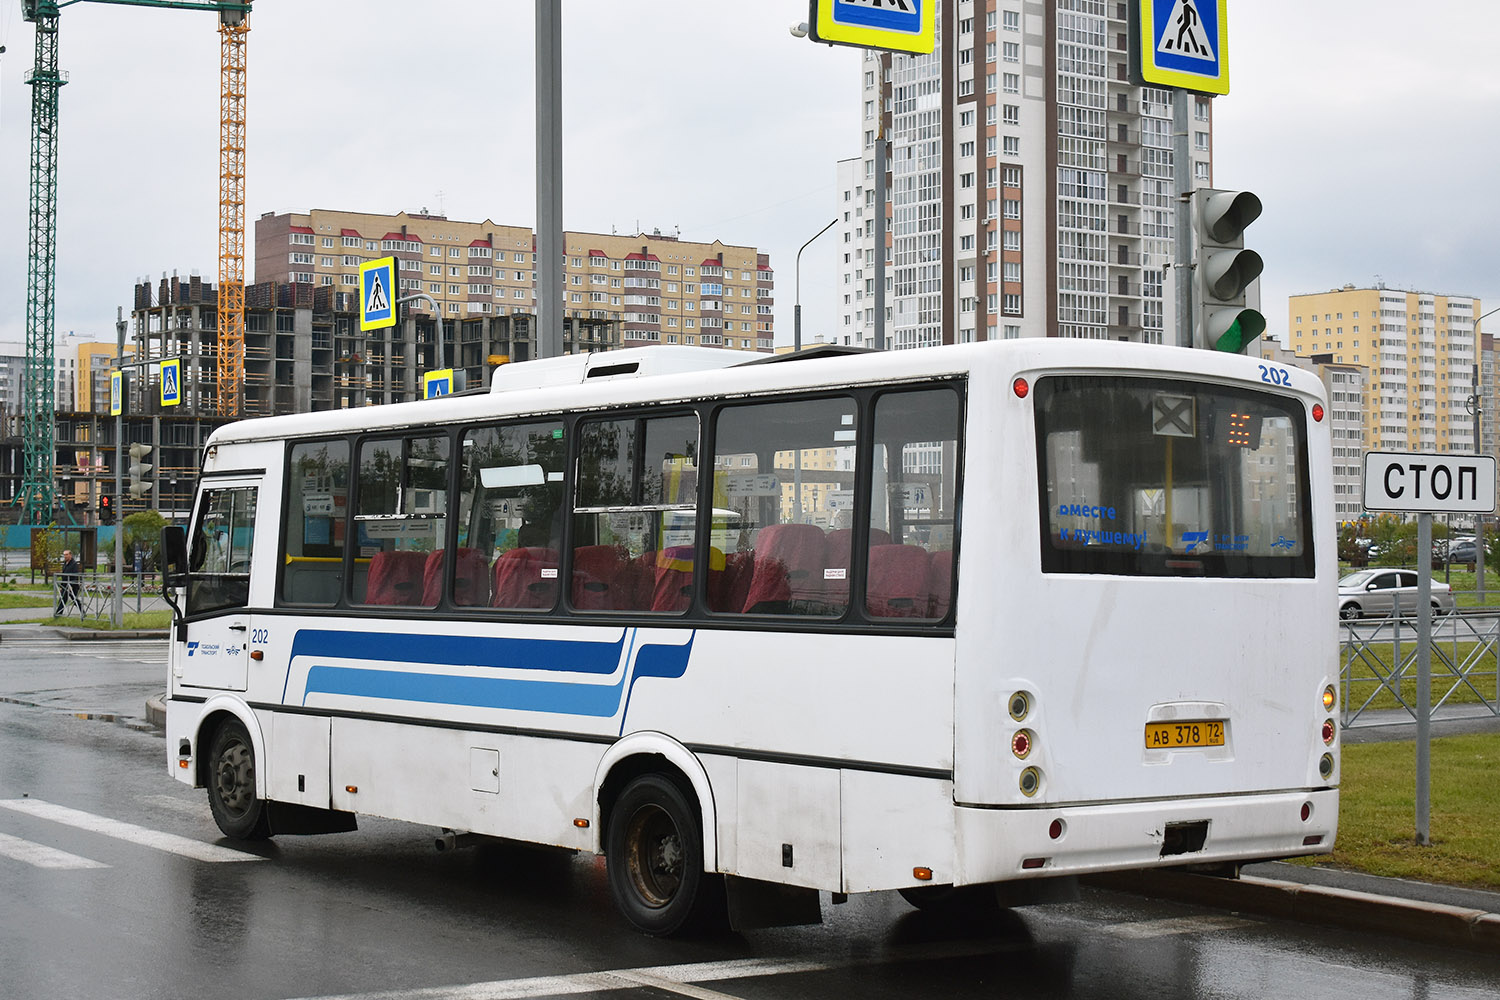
<point x="239" y="812"/>
<point x="654" y="848"/>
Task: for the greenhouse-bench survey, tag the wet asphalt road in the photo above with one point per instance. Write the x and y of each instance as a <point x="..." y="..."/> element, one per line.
<point x="120" y="912"/>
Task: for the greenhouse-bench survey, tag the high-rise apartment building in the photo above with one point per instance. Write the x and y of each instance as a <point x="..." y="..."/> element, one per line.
<point x="642" y="289"/>
<point x="1030" y="182"/>
<point x="1419" y="348"/>
<point x="1345" y="385"/>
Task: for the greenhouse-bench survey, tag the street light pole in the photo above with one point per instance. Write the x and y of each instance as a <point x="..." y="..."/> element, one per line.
<point x="797" y="309"/>
<point x="1475" y="405"/>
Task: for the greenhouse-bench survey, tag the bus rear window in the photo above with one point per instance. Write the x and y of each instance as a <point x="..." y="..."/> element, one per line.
<point x="1152" y="477"/>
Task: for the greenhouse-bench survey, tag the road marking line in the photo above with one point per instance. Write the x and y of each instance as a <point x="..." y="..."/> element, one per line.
<point x="1176" y="925"/>
<point x="41" y="856"/>
<point x="679" y="979"/>
<point x="169" y="842"/>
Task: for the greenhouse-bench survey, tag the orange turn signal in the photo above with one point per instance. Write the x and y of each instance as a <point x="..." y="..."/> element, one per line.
<point x="351" y="789"/>
<point x="922" y="874"/>
<point x="182" y="763"/>
<point x="581" y="823"/>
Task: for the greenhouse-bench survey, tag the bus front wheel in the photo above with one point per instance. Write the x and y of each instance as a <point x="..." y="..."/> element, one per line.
<point x="655" y="857"/>
<point x="238" y="811"/>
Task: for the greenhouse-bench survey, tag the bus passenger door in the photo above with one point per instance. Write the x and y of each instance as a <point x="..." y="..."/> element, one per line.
<point x="217" y="614"/>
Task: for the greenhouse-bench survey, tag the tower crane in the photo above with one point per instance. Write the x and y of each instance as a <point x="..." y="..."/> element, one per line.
<point x="38" y="397"/>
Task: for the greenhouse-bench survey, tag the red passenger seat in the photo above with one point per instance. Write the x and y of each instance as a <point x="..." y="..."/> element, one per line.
<point x="839" y="546"/>
<point x="897" y="585"/>
<point x="519" y="579"/>
<point x="788" y="575"/>
<point x="673" y="590"/>
<point x="471" y="581"/>
<point x="598" y="572"/>
<point x="940" y="583"/>
<point x="395" y="578"/>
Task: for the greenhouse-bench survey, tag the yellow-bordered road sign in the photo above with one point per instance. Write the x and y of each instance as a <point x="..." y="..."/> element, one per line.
<point x="377" y="293"/>
<point x="896" y="25"/>
<point x="171" y="382"/>
<point x="116" y="393"/>
<point x="1184" y="43"/>
<point x="437" y="383"/>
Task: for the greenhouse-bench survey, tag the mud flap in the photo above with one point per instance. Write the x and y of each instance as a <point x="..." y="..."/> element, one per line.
<point x="754" y="904"/>
<point x="292" y="818"/>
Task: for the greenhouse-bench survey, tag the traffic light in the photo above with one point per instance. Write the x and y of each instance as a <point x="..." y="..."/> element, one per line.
<point x="139" y="470"/>
<point x="106" y="510"/>
<point x="1225" y="269"/>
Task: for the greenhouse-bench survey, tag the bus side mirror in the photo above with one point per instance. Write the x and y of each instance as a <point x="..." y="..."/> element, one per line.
<point x="174" y="563"/>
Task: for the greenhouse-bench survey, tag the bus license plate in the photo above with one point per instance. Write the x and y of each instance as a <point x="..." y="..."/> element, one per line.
<point x="1171" y="735"/>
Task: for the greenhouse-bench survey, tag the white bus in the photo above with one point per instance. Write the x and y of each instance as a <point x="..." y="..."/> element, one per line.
<point x="973" y="616"/>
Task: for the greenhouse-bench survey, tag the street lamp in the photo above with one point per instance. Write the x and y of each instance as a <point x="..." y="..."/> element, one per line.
<point x="1475" y="405"/>
<point x="797" y="310"/>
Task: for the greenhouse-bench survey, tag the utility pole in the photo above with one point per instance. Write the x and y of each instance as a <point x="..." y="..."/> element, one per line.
<point x="117" y="610"/>
<point x="880" y="196"/>
<point x="549" y="231"/>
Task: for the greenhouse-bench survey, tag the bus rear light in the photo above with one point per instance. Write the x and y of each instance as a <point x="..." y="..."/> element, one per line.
<point x="922" y="874"/>
<point x="1021" y="387"/>
<point x="1033" y="863"/>
<point x="1057" y="829"/>
<point x="1020" y="705"/>
<point x="1031" y="781"/>
<point x="1330" y="698"/>
<point x="1317" y="413"/>
<point x="1329" y="732"/>
<point x="182" y="764"/>
<point x="1312" y="841"/>
<point x="1306" y="811"/>
<point x="1325" y="766"/>
<point x="1021" y="743"/>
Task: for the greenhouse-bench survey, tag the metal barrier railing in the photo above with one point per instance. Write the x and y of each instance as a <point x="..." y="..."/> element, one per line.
<point x="92" y="597"/>
<point x="1379" y="666"/>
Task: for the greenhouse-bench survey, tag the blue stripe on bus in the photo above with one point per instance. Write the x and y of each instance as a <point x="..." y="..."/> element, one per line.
<point x="568" y="655"/>
<point x="557" y="697"/>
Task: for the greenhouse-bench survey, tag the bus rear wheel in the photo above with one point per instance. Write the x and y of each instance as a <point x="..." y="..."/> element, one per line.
<point x="654" y="848"/>
<point x="238" y="811"/>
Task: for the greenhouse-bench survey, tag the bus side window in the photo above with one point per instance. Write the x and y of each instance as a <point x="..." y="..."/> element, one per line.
<point x="317" y="507"/>
<point x="219" y="566"/>
<point x="783" y="502"/>
<point x="401" y="518"/>
<point x="634" y="519"/>
<point x="913" y="505"/>
<point x="510" y="511"/>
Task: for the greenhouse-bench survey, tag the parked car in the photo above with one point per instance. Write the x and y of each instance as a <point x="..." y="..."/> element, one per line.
<point x="1374" y="592"/>
<point x="1463" y="551"/>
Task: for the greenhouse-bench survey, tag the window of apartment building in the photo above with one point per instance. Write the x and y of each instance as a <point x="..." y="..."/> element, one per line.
<point x="301" y="239"/>
<point x="989" y="83"/>
<point x="299" y="258"/>
<point x="1012" y="114"/>
<point x="1012" y="306"/>
<point x="1011" y="52"/>
<point x="1012" y="208"/>
<point x="989" y="52"/>
<point x="1200" y="171"/>
<point x="436" y="288"/>
<point x="455" y="251"/>
<point x="966" y="26"/>
<point x="1200" y="141"/>
<point x="352" y="241"/>
<point x="1012" y="177"/>
<point x="327" y="242"/>
<point x="1012" y="20"/>
<point x="1012" y="83"/>
<point x="1012" y="145"/>
<point x="965" y="57"/>
<point x="965" y="118"/>
<point x="485" y="252"/>
<point x="436" y="251"/>
<point x="348" y="279"/>
<point x="327" y="262"/>
<point x="966" y="273"/>
<point x="1012" y="239"/>
<point x="964" y="181"/>
<point x="966" y="149"/>
<point x="1200" y="108"/>
<point x="1012" y="270"/>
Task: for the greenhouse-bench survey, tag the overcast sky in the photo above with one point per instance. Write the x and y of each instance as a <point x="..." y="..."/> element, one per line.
<point x="1365" y="128"/>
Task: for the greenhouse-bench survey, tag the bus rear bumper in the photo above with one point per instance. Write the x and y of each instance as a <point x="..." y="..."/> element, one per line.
<point x="999" y="844"/>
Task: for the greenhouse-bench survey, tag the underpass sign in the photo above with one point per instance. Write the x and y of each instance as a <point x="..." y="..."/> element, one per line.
<point x="1427" y="483"/>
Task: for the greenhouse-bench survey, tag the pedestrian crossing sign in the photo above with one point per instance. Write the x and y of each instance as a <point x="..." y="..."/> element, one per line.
<point x="1184" y="44"/>
<point x="116" y="393"/>
<point x="437" y="383"/>
<point x="377" y="293"/>
<point x="171" y="382"/>
<point x="893" y="25"/>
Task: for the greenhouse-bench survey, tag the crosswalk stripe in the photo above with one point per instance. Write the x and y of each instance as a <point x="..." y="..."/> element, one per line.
<point x="155" y="839"/>
<point x="42" y="856"/>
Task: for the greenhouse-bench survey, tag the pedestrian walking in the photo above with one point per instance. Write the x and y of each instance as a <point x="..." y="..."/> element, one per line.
<point x="68" y="582"/>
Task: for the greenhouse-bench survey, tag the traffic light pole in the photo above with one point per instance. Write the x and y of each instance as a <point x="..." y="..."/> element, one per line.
<point x="1182" y="179"/>
<point x="117" y="608"/>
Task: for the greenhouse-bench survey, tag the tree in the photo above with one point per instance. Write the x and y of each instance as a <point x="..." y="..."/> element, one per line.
<point x="143" y="528"/>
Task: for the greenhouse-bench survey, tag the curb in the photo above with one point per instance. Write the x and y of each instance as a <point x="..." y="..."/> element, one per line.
<point x="1433" y="923"/>
<point x="98" y="635"/>
<point x="156" y="710"/>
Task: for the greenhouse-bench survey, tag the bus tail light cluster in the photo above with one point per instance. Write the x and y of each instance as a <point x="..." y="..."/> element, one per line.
<point x="1023" y="741"/>
<point x="1329" y="731"/>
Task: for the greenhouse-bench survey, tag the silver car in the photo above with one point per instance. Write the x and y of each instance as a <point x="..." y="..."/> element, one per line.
<point x="1374" y="592"/>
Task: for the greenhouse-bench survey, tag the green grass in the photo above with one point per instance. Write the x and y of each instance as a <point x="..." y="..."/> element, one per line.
<point x="25" y="600"/>
<point x="1377" y="812"/>
<point x="1360" y="669"/>
<point x="131" y="620"/>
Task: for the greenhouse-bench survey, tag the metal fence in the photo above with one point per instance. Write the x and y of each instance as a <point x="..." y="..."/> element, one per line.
<point x="1379" y="667"/>
<point x="92" y="598"/>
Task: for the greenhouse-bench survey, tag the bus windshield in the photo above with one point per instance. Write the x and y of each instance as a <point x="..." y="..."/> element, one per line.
<point x="1152" y="477"/>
